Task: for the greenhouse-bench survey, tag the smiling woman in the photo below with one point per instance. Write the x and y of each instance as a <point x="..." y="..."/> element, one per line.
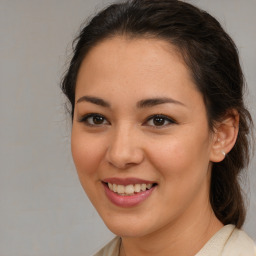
<point x="160" y="132"/>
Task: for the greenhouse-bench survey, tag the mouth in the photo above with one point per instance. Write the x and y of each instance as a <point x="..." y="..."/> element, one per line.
<point x="128" y="192"/>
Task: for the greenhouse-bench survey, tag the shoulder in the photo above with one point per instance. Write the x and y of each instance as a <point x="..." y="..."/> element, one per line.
<point x="239" y="243"/>
<point x="110" y="249"/>
<point x="229" y="241"/>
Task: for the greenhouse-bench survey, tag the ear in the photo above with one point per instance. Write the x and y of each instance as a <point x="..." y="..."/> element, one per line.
<point x="225" y="135"/>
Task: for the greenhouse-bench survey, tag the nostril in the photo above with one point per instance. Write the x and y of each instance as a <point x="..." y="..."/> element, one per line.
<point x="124" y="158"/>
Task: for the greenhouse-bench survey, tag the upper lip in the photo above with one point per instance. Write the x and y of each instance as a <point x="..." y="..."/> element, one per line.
<point x="127" y="181"/>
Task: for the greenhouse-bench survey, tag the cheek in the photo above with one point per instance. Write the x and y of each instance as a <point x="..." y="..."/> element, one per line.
<point x="183" y="169"/>
<point x="87" y="153"/>
<point x="180" y="155"/>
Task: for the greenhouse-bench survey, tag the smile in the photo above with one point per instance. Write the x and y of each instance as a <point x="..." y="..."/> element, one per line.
<point x="129" y="190"/>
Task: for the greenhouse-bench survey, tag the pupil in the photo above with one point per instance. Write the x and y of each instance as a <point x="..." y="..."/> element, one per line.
<point x="97" y="119"/>
<point x="158" y="121"/>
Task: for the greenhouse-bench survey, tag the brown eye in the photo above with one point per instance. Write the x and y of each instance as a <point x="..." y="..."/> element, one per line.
<point x="94" y="120"/>
<point x="159" y="121"/>
<point x="98" y="119"/>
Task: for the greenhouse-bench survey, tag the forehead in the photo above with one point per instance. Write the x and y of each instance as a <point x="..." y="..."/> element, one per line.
<point x="148" y="52"/>
<point x="147" y="66"/>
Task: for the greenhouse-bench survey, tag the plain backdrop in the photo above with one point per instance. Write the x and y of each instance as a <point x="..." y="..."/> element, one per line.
<point x="43" y="209"/>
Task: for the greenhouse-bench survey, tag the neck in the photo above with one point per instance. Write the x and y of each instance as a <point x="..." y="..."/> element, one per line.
<point x="175" y="239"/>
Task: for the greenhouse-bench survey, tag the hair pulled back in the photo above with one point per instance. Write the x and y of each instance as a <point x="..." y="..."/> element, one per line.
<point x="212" y="59"/>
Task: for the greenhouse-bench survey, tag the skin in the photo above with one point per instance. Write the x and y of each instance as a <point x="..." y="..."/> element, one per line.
<point x="176" y="155"/>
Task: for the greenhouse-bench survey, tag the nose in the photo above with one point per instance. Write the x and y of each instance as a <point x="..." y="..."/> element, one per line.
<point x="124" y="148"/>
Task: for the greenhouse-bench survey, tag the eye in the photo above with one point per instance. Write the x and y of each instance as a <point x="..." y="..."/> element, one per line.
<point x="159" y="121"/>
<point x="94" y="120"/>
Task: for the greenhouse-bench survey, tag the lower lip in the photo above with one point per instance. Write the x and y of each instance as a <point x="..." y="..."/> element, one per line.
<point x="127" y="201"/>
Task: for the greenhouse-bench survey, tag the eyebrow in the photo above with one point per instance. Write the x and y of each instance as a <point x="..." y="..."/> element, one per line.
<point x="140" y="104"/>
<point x="94" y="100"/>
<point x="157" y="101"/>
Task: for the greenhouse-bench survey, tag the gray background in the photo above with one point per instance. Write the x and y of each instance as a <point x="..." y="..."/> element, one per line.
<point x="44" y="211"/>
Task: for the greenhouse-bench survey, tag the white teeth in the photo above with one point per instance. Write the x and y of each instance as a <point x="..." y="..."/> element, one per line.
<point x="137" y="188"/>
<point x="149" y="186"/>
<point x="129" y="189"/>
<point x="120" y="189"/>
<point x="143" y="187"/>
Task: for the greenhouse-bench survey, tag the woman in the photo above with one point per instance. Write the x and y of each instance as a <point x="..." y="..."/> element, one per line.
<point x="160" y="131"/>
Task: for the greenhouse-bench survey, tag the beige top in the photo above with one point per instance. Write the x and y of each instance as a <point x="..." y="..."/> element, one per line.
<point x="228" y="241"/>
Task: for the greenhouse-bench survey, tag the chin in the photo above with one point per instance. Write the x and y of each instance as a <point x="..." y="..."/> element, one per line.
<point x="127" y="230"/>
<point x="129" y="226"/>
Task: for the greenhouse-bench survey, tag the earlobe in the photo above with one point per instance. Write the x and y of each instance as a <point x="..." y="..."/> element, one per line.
<point x="225" y="136"/>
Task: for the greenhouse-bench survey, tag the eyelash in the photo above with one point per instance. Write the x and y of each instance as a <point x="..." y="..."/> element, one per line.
<point x="85" y="119"/>
<point x="163" y="117"/>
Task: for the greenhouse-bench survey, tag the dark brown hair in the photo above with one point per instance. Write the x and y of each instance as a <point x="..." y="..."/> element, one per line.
<point x="212" y="58"/>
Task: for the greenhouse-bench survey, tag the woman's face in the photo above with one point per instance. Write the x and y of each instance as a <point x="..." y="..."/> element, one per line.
<point x="139" y="119"/>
